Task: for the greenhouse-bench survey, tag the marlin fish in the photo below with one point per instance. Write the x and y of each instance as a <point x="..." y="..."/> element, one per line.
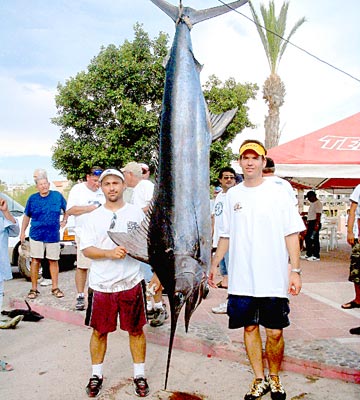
<point x="178" y="227"/>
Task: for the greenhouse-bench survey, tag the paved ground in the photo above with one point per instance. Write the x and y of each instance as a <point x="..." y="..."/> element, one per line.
<point x="322" y="360"/>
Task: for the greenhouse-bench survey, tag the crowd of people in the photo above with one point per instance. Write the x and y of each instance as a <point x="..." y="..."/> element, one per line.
<point x="255" y="211"/>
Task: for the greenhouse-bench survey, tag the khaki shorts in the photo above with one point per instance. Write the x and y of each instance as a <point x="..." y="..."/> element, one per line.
<point x="82" y="262"/>
<point x="40" y="250"/>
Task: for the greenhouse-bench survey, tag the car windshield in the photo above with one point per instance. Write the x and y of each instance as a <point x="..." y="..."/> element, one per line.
<point x="15" y="208"/>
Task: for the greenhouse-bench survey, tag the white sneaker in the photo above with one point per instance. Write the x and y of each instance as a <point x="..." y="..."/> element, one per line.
<point x="305" y="257"/>
<point x="313" y="258"/>
<point x="46" y="282"/>
<point x="221" y="309"/>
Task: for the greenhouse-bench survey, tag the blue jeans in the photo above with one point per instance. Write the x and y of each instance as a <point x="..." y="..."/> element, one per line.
<point x="223" y="265"/>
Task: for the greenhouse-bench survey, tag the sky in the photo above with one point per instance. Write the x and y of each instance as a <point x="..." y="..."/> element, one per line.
<point x="44" y="43"/>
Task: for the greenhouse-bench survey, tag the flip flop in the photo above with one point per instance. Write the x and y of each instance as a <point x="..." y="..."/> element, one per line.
<point x="5" y="367"/>
<point x="349" y="305"/>
<point x="33" y="294"/>
<point x="57" y="293"/>
<point x="220" y="286"/>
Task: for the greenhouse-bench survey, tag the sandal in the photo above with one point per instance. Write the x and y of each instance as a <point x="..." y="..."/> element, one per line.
<point x="33" y="294"/>
<point x="350" y="304"/>
<point x="57" y="293"/>
<point x="5" y="367"/>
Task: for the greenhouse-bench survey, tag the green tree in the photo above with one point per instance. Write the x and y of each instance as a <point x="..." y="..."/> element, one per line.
<point x="109" y="115"/>
<point x="222" y="97"/>
<point x="274" y="46"/>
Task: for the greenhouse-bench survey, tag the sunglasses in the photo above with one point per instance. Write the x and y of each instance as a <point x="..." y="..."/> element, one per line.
<point x="228" y="177"/>
<point x="113" y="222"/>
<point x="97" y="172"/>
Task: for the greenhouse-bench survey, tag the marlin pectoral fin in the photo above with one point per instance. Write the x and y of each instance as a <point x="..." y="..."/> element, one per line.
<point x="219" y="122"/>
<point x="135" y="243"/>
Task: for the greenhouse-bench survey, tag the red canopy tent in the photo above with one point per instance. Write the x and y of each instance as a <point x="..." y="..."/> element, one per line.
<point x="328" y="158"/>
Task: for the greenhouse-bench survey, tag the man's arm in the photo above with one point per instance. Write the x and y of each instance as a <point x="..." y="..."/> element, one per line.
<point x="222" y="248"/>
<point x="96" y="253"/>
<point x="79" y="210"/>
<point x="293" y="248"/>
<point x="350" y="223"/>
<point x="24" y="225"/>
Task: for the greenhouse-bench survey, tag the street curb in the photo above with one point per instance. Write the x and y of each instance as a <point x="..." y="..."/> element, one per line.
<point x="206" y="347"/>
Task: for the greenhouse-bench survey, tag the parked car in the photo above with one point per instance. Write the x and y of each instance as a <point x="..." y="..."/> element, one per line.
<point x="19" y="256"/>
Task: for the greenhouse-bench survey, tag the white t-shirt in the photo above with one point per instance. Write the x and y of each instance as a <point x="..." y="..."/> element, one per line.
<point x="217" y="212"/>
<point x="111" y="275"/>
<point x="257" y="219"/>
<point x="286" y="185"/>
<point x="315" y="208"/>
<point x="355" y="197"/>
<point x="81" y="195"/>
<point x="142" y="193"/>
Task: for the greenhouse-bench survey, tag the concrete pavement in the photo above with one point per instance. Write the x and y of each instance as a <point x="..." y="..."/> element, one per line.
<point x="319" y="347"/>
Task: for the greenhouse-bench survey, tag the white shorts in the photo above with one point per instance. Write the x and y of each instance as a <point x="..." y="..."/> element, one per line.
<point x="40" y="250"/>
<point x="82" y="262"/>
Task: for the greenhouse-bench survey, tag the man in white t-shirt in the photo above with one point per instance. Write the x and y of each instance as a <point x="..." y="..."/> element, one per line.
<point x="353" y="224"/>
<point x="260" y="229"/>
<point x="116" y="285"/>
<point x="143" y="190"/>
<point x="84" y="198"/>
<point x="269" y="173"/>
<point x="226" y="180"/>
<point x="312" y="238"/>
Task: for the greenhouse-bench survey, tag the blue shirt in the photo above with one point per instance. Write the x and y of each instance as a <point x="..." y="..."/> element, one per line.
<point x="45" y="216"/>
<point x="7" y="228"/>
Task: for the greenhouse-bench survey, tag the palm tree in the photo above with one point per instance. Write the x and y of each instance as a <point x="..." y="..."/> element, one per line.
<point x="274" y="45"/>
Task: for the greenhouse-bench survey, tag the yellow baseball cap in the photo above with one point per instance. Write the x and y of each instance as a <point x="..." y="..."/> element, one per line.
<point x="256" y="147"/>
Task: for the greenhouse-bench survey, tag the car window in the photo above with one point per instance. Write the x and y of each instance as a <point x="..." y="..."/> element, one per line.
<point x="15" y="208"/>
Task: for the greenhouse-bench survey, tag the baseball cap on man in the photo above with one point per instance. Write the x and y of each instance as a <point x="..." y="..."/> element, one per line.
<point x="133" y="167"/>
<point x="111" y="171"/>
<point x="254" y="146"/>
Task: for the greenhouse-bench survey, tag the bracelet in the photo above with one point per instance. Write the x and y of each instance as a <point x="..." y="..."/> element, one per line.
<point x="297" y="270"/>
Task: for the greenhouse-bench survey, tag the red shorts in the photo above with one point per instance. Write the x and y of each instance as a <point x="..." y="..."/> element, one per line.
<point x="103" y="310"/>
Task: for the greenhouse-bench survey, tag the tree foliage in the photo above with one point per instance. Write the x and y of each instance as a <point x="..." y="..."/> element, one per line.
<point x="109" y="114"/>
<point x="222" y="97"/>
<point x="272" y="31"/>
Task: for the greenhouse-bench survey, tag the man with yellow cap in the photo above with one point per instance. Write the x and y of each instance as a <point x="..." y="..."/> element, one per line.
<point x="260" y="230"/>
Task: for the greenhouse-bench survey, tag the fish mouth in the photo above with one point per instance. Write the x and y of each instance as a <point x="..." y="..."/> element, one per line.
<point x="188" y="285"/>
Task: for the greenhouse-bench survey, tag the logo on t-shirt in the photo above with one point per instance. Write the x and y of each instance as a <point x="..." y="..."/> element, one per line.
<point x="237" y="207"/>
<point x="219" y="208"/>
<point x="131" y="226"/>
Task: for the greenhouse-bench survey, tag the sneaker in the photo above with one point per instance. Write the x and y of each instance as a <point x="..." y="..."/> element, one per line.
<point x="141" y="387"/>
<point x="305" y="257"/>
<point x="160" y="315"/>
<point x="313" y="258"/>
<point x="46" y="282"/>
<point x="80" y="303"/>
<point x="94" y="386"/>
<point x="277" y="389"/>
<point x="221" y="309"/>
<point x="150" y="314"/>
<point x="258" y="389"/>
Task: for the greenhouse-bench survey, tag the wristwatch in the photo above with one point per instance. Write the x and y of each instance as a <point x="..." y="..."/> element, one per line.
<point x="297" y="270"/>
